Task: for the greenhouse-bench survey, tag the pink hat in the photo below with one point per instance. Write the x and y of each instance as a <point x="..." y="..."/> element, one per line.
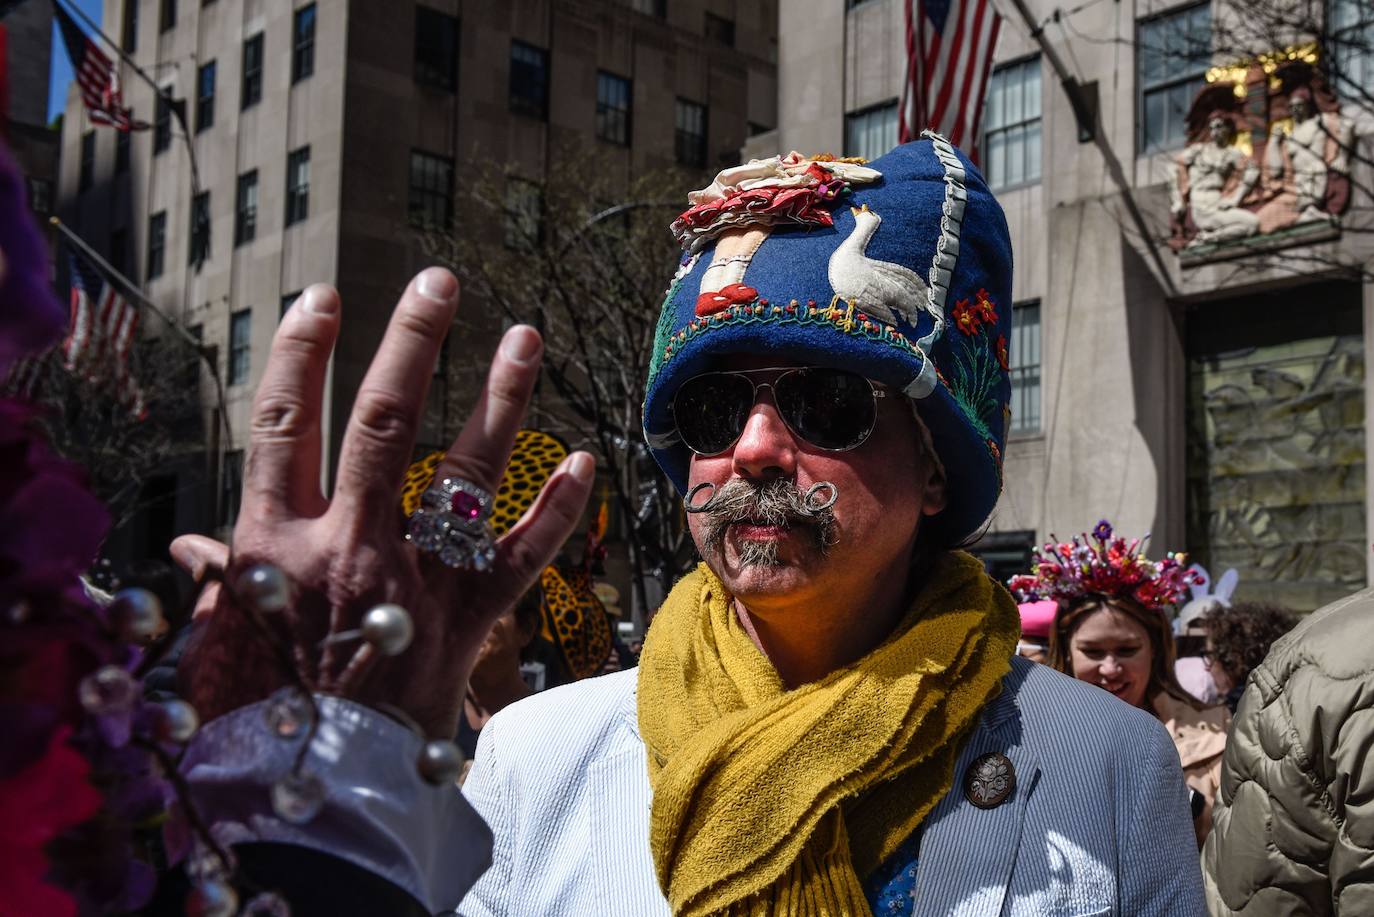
<point x="1037" y="618"/>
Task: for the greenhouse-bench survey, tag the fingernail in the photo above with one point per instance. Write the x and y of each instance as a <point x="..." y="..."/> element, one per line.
<point x="318" y="301"/>
<point x="437" y="284"/>
<point x="521" y="344"/>
<point x="582" y="467"/>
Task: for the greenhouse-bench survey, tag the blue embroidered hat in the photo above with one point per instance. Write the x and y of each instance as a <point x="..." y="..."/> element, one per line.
<point x="899" y="268"/>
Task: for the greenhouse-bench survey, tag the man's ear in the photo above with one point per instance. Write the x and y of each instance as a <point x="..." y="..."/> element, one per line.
<point x="934" y="493"/>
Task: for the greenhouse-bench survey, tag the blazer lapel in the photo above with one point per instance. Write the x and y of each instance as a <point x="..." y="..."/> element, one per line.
<point x="967" y="853"/>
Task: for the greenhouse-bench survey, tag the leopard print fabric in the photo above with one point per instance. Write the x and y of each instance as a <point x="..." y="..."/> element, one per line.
<point x="532" y="461"/>
<point x="575" y="621"/>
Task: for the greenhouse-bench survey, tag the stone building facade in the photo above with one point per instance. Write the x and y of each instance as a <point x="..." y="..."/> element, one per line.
<point x="1214" y="396"/>
<point x="323" y="132"/>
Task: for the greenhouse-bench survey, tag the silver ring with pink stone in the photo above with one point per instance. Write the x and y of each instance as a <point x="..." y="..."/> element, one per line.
<point x="453" y="522"/>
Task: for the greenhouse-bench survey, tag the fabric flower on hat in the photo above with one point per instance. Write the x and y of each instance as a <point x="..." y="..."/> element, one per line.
<point x="1103" y="564"/>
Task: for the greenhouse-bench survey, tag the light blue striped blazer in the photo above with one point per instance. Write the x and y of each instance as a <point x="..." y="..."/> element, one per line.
<point x="1098" y="823"/>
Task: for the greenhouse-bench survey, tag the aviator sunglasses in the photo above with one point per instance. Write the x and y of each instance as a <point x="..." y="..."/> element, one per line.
<point x="832" y="409"/>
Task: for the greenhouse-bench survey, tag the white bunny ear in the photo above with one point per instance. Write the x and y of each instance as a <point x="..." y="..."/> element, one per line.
<point x="1226" y="586"/>
<point x="1200" y="590"/>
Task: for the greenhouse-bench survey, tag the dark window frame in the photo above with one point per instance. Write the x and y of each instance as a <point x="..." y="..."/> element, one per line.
<point x="529" y="80"/>
<point x="718" y="29"/>
<point x="303" y="23"/>
<point x="857" y="125"/>
<point x="167" y="15"/>
<point x="614" y="108"/>
<point x="123" y="143"/>
<point x="524" y="203"/>
<point x="205" y="100"/>
<point x="162" y="124"/>
<point x="250" y="82"/>
<point x="430" y="202"/>
<point x="297" y="191"/>
<point x="436" y="49"/>
<point x="1021" y="127"/>
<point x="689" y="144"/>
<point x="240" y="366"/>
<point x="198" y="230"/>
<point x="246" y="208"/>
<point x="128" y="38"/>
<point x="157" y="245"/>
<point x="1026" y="354"/>
<point x="1185" y="82"/>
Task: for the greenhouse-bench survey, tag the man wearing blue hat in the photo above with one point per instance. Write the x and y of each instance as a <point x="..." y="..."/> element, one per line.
<point x="829" y="717"/>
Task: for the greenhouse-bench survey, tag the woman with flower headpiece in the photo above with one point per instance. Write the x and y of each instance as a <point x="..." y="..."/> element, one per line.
<point x="1112" y="630"/>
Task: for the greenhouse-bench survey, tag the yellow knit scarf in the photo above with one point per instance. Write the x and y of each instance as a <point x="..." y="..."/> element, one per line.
<point x="775" y="802"/>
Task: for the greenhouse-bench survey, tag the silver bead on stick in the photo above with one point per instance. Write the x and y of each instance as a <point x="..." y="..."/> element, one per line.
<point x="265" y="587"/>
<point x="177" y="721"/>
<point x="440" y="762"/>
<point x="388" y="628"/>
<point x="136" y="615"/>
<point x="108" y="690"/>
<point x="298" y="797"/>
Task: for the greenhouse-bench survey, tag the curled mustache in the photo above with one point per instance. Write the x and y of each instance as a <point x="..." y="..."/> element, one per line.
<point x="777" y="502"/>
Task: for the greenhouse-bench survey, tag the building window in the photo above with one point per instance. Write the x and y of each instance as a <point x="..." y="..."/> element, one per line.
<point x="157" y="243"/>
<point x="128" y="39"/>
<point x="436" y="49"/>
<point x="287" y="301"/>
<point x="199" y="248"/>
<point x="230" y="487"/>
<point x="167" y="15"/>
<point x="1175" y="50"/>
<point x="690" y="135"/>
<point x="1024" y="362"/>
<point x="162" y="123"/>
<point x="1352" y="47"/>
<point x="119" y="250"/>
<point x="87" y="175"/>
<point x="303" y="43"/>
<point x="720" y="30"/>
<point x="297" y="185"/>
<point x="240" y="346"/>
<point x="1011" y="142"/>
<point x="205" y="96"/>
<point x="524" y="223"/>
<point x="657" y="8"/>
<point x="431" y="190"/>
<point x="250" y="90"/>
<point x="613" y="108"/>
<point x="872" y="132"/>
<point x="529" y="80"/>
<point x="122" y="140"/>
<point x="246" y="208"/>
<point x="40" y="196"/>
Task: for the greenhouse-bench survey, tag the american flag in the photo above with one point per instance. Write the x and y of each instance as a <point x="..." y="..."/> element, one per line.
<point x="949" y="45"/>
<point x="97" y="77"/>
<point x="102" y="334"/>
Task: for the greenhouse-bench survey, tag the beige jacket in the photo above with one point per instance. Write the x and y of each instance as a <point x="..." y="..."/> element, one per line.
<point x="1294" y="826"/>
<point x="1200" y="738"/>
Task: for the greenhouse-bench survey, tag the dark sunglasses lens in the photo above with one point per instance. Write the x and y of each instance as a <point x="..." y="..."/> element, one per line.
<point x="830" y="408"/>
<point x="710" y="411"/>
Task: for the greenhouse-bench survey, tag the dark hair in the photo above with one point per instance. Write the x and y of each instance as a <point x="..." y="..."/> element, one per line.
<point x="1242" y="634"/>
<point x="1073" y="613"/>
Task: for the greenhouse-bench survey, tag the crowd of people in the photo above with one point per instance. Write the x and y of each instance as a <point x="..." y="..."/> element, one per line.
<point x="837" y="712"/>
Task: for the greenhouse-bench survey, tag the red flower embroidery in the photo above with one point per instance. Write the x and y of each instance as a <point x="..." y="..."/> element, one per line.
<point x="965" y="318"/>
<point x="1002" y="352"/>
<point x="984" y="308"/>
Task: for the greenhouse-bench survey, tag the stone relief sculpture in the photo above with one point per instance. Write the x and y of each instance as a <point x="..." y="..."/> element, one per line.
<point x="1212" y="179"/>
<point x="1264" y="155"/>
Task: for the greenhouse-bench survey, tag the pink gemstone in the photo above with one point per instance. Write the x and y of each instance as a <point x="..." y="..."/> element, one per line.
<point x="465" y="504"/>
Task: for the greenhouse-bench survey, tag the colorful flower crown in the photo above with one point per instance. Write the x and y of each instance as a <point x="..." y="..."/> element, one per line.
<point x="1104" y="564"/>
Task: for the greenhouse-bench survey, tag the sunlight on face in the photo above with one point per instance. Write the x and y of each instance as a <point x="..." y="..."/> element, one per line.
<point x="1109" y="649"/>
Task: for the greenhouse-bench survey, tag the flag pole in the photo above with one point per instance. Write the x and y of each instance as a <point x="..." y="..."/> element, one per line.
<point x="1099" y="138"/>
<point x="136" y="294"/>
<point x="179" y="112"/>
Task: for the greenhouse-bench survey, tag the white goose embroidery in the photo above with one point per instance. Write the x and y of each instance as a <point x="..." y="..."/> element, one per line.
<point x="884" y="291"/>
